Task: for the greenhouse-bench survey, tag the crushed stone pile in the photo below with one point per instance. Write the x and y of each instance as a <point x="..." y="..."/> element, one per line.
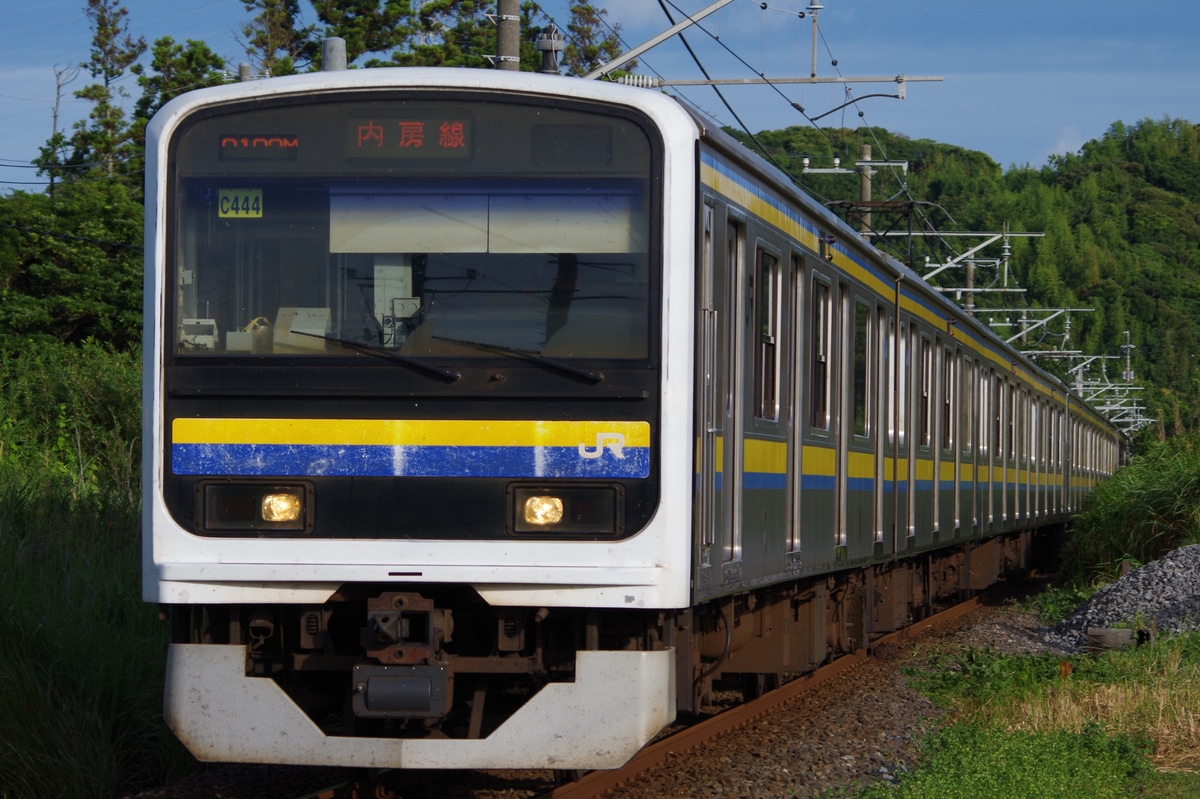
<point x="1162" y="596"/>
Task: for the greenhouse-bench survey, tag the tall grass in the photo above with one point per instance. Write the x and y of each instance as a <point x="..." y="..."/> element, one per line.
<point x="1123" y="724"/>
<point x="1146" y="509"/>
<point x="1150" y="693"/>
<point x="81" y="657"/>
<point x="73" y="415"/>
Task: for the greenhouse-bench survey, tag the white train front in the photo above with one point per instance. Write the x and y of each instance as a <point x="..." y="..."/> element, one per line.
<point x="491" y="417"/>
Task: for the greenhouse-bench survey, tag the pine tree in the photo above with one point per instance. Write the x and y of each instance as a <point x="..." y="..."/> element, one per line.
<point x="174" y="69"/>
<point x="367" y="26"/>
<point x="275" y="40"/>
<point x="105" y="137"/>
<point x="589" y="45"/>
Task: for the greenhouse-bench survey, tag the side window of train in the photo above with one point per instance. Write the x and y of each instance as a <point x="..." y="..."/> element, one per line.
<point x="767" y="297"/>
<point x="820" y="342"/>
<point x="998" y="416"/>
<point x="926" y="389"/>
<point x="861" y="367"/>
<point x="948" y="389"/>
<point x="1010" y="448"/>
<point x="983" y="423"/>
<point x="900" y="393"/>
<point x="967" y="379"/>
<point x="734" y="298"/>
<point x="708" y="254"/>
<point x="1035" y="413"/>
<point x="1028" y="426"/>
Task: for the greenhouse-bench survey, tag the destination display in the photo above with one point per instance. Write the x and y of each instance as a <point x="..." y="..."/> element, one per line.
<point x="257" y="146"/>
<point x="415" y="137"/>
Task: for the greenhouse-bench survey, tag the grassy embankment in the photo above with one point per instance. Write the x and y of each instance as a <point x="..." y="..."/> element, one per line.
<point x="81" y="656"/>
<point x="1124" y="724"/>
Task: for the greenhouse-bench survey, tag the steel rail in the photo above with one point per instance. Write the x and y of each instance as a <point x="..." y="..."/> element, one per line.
<point x="597" y="783"/>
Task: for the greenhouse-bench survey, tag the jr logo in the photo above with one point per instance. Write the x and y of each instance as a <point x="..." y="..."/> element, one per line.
<point x="610" y="441"/>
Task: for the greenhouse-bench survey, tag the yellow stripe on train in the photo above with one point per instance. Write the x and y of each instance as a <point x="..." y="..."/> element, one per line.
<point x="406" y="432"/>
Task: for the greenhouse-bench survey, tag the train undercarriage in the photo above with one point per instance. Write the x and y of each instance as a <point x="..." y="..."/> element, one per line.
<point x="795" y="627"/>
<point x="431" y="675"/>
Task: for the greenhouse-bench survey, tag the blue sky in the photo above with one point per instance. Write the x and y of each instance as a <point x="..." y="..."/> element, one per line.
<point x="1022" y="80"/>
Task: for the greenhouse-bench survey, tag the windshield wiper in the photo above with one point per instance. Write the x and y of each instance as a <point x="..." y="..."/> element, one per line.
<point x="450" y="375"/>
<point x="586" y="374"/>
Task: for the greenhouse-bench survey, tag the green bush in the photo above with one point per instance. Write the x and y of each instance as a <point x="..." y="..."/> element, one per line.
<point x="1146" y="509"/>
<point x="81" y="656"/>
<point x="1059" y="601"/>
<point x="72" y="414"/>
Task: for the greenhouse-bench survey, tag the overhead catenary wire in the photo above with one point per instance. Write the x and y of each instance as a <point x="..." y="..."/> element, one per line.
<point x="834" y="146"/>
<point x="614" y="32"/>
<point x="663" y="4"/>
<point x="939" y="242"/>
<point x="741" y="124"/>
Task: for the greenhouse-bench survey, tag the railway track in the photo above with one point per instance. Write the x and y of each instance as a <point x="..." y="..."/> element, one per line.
<point x="598" y="783"/>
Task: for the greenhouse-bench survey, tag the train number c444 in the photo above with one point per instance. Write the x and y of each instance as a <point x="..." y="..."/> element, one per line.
<point x="240" y="204"/>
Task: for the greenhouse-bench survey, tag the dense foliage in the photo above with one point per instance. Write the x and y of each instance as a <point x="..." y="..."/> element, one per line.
<point x="1121" y="239"/>
<point x="70" y="265"/>
<point x="1145" y="510"/>
<point x="82" y="669"/>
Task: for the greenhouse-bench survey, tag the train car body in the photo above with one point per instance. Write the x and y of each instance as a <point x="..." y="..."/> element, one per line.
<point x="491" y="416"/>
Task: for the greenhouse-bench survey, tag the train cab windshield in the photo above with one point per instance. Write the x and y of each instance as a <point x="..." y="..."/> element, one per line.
<point x="419" y="227"/>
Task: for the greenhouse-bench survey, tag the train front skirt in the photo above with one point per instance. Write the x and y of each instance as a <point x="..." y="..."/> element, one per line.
<point x="617" y="703"/>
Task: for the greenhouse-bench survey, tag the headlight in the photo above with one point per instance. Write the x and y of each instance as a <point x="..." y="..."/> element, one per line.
<point x="587" y="510"/>
<point x="541" y="510"/>
<point x="282" y="507"/>
<point x="253" y="507"/>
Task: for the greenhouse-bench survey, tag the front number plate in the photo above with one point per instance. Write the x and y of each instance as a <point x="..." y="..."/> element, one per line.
<point x="240" y="204"/>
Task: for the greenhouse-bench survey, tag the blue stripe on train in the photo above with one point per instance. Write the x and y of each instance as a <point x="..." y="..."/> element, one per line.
<point x="345" y="460"/>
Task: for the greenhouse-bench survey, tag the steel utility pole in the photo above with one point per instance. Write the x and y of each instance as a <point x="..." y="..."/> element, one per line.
<point x="864" y="177"/>
<point x="866" y="170"/>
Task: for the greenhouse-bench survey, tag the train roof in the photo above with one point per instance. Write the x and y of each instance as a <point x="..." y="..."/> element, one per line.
<point x="662" y="108"/>
<point x="914" y="283"/>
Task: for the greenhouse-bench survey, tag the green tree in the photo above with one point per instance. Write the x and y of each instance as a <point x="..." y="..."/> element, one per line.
<point x="174" y="69"/>
<point x="106" y="137"/>
<point x="459" y="33"/>
<point x="449" y="33"/>
<point x="592" y="41"/>
<point x="276" y="42"/>
<point x="71" y="265"/>
<point x="54" y="154"/>
<point x="368" y="26"/>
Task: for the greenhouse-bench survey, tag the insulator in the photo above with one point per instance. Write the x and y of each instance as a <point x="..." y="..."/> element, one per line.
<point x="640" y="81"/>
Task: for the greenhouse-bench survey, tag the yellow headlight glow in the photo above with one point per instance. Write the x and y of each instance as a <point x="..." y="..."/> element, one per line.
<point x="571" y="509"/>
<point x="543" y="510"/>
<point x="281" y="507"/>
